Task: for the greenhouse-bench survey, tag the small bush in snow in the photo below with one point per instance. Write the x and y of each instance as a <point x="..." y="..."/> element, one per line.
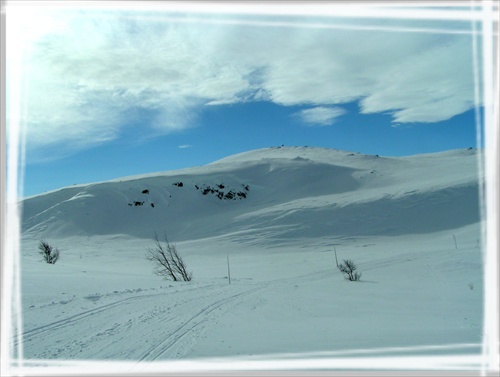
<point x="49" y="253"/>
<point x="168" y="263"/>
<point x="349" y="270"/>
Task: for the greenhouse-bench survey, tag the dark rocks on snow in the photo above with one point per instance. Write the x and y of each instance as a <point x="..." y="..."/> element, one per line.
<point x="221" y="194"/>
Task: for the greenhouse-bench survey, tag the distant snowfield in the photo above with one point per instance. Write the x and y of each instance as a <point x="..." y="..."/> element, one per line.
<point x="397" y="218"/>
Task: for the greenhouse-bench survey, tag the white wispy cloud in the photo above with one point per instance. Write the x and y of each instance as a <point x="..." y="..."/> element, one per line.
<point x="93" y="72"/>
<point x="185" y="146"/>
<point x="320" y="116"/>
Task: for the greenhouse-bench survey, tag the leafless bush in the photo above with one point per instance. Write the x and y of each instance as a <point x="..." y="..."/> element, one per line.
<point x="49" y="254"/>
<point x="168" y="263"/>
<point x="349" y="269"/>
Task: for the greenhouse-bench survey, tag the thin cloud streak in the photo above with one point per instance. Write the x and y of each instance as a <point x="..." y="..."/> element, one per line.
<point x="320" y="116"/>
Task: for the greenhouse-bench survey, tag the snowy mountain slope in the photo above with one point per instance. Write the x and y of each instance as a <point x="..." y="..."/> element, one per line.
<point x="305" y="192"/>
<point x="280" y="217"/>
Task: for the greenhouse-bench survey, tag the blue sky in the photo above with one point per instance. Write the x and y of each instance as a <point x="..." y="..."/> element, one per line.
<point x="111" y="93"/>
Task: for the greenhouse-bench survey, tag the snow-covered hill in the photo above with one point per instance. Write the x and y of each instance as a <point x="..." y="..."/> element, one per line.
<point x="280" y="217"/>
<point x="298" y="191"/>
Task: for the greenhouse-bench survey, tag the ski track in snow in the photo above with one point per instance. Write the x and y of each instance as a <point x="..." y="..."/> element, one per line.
<point x="41" y="330"/>
<point x="172" y="324"/>
<point x="177" y="341"/>
<point x="168" y="323"/>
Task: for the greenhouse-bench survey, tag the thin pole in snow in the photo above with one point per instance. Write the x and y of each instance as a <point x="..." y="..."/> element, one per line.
<point x="228" y="270"/>
<point x="336" y="260"/>
<point x="455" y="239"/>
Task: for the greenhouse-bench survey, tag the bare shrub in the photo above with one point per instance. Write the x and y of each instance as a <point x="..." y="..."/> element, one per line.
<point x="49" y="254"/>
<point x="168" y="263"/>
<point x="349" y="270"/>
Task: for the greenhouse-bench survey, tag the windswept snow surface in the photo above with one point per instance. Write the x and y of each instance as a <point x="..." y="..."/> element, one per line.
<point x="397" y="218"/>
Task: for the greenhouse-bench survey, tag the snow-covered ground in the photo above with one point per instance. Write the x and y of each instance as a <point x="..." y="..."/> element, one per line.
<point x="411" y="224"/>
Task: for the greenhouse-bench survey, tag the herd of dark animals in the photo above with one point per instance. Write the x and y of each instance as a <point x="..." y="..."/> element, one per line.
<point x="230" y="195"/>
